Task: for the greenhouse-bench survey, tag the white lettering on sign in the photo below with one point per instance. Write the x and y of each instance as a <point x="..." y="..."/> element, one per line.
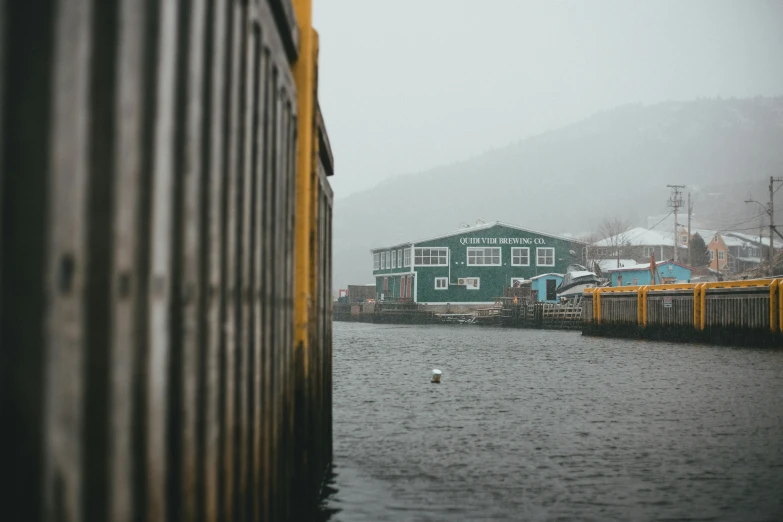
<point x="502" y="241"/>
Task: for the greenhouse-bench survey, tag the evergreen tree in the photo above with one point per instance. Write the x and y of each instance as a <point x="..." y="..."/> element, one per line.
<point x="699" y="255"/>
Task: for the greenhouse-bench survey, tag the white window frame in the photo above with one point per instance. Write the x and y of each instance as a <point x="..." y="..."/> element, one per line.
<point x="430" y="256"/>
<point x="406" y="257"/>
<point x="394" y="258"/>
<point x="649" y="251"/>
<point x="520" y="279"/>
<point x="388" y="259"/>
<point x="376" y="261"/>
<point x="538" y="256"/>
<point x="383" y="260"/>
<point x="470" y="283"/>
<point x="484" y="255"/>
<point x="444" y="282"/>
<point x="399" y="258"/>
<point x="712" y="255"/>
<point x="721" y="255"/>
<point x="513" y="255"/>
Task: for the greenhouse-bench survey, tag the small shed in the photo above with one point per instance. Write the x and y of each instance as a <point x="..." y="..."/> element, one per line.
<point x="361" y="293"/>
<point x="544" y="287"/>
<point x="670" y="272"/>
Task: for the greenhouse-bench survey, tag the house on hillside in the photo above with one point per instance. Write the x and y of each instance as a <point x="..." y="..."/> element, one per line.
<point x="741" y="254"/>
<point x="471" y="266"/>
<point x="638" y="244"/>
<point x="760" y="243"/>
<point x="717" y="250"/>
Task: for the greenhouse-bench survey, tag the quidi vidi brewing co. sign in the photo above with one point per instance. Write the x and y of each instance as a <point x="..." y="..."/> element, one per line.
<point x="502" y="241"/>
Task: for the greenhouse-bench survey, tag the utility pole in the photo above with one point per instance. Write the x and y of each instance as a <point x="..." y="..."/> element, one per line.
<point x="690" y="212"/>
<point x="772" y="229"/>
<point x="675" y="201"/>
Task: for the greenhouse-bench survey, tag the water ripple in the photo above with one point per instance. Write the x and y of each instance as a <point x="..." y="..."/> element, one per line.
<point x="544" y="425"/>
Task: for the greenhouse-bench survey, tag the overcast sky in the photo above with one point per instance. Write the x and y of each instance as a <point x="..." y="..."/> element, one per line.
<point x="407" y="85"/>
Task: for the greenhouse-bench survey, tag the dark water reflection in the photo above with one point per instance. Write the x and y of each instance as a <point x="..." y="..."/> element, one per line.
<point x="542" y="425"/>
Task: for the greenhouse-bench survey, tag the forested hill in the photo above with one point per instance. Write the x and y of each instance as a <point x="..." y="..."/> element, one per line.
<point x="614" y="163"/>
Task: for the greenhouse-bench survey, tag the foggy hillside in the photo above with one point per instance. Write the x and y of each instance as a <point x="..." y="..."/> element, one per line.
<point x="615" y="163"/>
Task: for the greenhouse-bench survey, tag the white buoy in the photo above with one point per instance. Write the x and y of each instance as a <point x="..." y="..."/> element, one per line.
<point x="436" y="376"/>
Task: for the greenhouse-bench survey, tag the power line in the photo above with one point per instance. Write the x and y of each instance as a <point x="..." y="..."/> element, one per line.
<point x="742" y="222"/>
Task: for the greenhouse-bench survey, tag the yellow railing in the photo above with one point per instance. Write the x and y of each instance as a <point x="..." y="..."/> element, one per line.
<point x="700" y="292"/>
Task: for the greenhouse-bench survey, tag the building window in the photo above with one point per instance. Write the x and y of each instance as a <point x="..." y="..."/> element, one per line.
<point x="376" y="261"/>
<point x="712" y="255"/>
<point x="388" y="259"/>
<point x="484" y="256"/>
<point x="721" y="255"/>
<point x="520" y="256"/>
<point x="399" y="258"/>
<point x="383" y="260"/>
<point x="649" y="251"/>
<point x="441" y="283"/>
<point x="545" y="256"/>
<point x="470" y="283"/>
<point x="754" y="252"/>
<point x="394" y="259"/>
<point x="430" y="256"/>
<point x="407" y="257"/>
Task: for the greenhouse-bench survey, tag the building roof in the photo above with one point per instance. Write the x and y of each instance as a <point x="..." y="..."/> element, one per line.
<point x="646" y="266"/>
<point x="730" y="241"/>
<point x="754" y="239"/>
<point x="606" y="264"/>
<point x="638" y="236"/>
<point x="483" y="226"/>
<point x="544" y="275"/>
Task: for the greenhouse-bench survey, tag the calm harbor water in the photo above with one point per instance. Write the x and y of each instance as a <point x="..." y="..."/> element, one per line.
<point x="546" y="425"/>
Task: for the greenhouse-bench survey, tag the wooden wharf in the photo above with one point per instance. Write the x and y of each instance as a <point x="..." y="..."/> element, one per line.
<point x="744" y="313"/>
<point x="165" y="279"/>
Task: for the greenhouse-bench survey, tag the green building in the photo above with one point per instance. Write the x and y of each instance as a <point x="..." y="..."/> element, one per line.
<point x="470" y="266"/>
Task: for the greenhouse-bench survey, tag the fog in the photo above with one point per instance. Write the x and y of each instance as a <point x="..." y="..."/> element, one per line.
<point x="412" y="84"/>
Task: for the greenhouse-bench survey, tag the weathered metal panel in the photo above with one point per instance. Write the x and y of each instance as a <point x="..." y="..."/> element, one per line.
<point x="128" y="247"/>
<point x="259" y="239"/>
<point x="160" y="280"/>
<point x="247" y="248"/>
<point x="158" y="256"/>
<point x="287" y="26"/>
<point x="66" y="274"/>
<point x="233" y="281"/>
<point x="217" y="65"/>
<point x="268" y="268"/>
<point x="193" y="170"/>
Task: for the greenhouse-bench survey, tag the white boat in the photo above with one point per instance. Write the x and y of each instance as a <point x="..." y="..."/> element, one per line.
<point x="576" y="279"/>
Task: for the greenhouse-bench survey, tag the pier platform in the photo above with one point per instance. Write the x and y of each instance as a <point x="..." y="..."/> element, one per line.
<point x="740" y="313"/>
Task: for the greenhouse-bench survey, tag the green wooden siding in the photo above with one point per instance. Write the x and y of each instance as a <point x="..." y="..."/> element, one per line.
<point x="492" y="278"/>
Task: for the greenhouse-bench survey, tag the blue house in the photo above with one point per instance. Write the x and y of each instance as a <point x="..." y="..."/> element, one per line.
<point x="669" y="271"/>
<point x="544" y="287"/>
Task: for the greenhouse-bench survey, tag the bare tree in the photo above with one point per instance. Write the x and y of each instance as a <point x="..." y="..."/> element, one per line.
<point x="614" y="233"/>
